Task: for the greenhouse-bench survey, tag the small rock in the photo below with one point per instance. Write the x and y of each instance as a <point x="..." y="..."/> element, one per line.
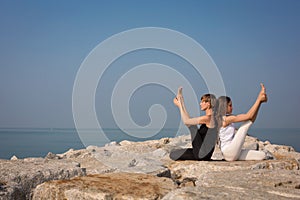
<point x="125" y="143"/>
<point x="252" y="146"/>
<point x="166" y="141"/>
<point x="107" y="152"/>
<point x="51" y="155"/>
<point x="113" y="143"/>
<point x="132" y="163"/>
<point x="188" y="182"/>
<point x="14" y="157"/>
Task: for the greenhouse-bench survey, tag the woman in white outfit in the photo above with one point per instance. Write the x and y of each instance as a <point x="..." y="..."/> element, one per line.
<point x="230" y="140"/>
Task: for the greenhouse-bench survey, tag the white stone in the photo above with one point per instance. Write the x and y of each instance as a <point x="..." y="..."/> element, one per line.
<point x="14" y="157"/>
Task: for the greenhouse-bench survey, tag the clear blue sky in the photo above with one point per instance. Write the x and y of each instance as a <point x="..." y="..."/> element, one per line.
<point x="43" y="43"/>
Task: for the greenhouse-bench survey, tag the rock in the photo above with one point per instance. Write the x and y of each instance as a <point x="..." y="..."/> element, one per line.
<point x="125" y="143"/>
<point x="137" y="170"/>
<point x="288" y="165"/>
<point x="14" y="157"/>
<point x="113" y="143"/>
<point x="159" y="153"/>
<point x="279" y="148"/>
<point x="74" y="154"/>
<point x="251" y="143"/>
<point x="234" y="180"/>
<point x="19" y="177"/>
<point x="51" y="155"/>
<point x="106" y="186"/>
<point x="267" y="142"/>
<point x="134" y="158"/>
<point x="217" y="155"/>
<point x="252" y="146"/>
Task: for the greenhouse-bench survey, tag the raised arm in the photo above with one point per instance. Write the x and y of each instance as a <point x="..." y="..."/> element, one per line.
<point x="253" y="111"/>
<point x="187" y="120"/>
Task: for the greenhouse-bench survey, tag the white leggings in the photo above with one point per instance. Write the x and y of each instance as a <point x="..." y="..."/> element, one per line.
<point x="234" y="150"/>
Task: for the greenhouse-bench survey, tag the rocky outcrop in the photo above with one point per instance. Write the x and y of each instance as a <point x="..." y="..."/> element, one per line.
<point x="143" y="170"/>
<point x="19" y="177"/>
<point x="106" y="186"/>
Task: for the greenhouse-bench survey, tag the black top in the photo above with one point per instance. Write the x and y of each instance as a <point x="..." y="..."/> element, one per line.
<point x="204" y="142"/>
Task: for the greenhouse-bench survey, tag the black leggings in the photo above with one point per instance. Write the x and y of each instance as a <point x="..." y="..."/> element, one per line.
<point x="203" y="143"/>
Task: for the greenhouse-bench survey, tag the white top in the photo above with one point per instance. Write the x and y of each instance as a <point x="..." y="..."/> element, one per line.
<point x="226" y="135"/>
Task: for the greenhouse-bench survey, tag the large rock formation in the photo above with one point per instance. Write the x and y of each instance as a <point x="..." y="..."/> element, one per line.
<point x="106" y="186"/>
<point x="143" y="170"/>
<point x="19" y="177"/>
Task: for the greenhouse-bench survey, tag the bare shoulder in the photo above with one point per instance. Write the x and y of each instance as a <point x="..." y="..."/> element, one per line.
<point x="205" y="119"/>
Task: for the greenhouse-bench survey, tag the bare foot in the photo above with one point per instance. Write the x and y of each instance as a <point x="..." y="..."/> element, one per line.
<point x="179" y="92"/>
<point x="262" y="94"/>
<point x="177" y="100"/>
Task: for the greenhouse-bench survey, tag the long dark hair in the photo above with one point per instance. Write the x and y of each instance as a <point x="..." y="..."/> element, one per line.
<point x="221" y="109"/>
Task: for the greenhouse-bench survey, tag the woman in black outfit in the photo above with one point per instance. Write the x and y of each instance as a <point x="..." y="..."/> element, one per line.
<point x="204" y="138"/>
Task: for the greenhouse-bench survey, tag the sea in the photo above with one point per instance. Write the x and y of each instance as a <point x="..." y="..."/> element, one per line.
<point x="37" y="142"/>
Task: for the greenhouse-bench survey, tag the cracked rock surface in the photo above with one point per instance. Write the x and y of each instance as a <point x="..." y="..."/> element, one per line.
<point x="143" y="170"/>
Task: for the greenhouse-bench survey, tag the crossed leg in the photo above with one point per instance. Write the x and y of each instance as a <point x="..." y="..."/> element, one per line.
<point x="203" y="146"/>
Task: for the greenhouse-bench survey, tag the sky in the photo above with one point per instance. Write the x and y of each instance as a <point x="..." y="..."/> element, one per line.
<point x="44" y="43"/>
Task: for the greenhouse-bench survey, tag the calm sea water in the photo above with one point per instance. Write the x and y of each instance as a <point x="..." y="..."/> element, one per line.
<point x="38" y="142"/>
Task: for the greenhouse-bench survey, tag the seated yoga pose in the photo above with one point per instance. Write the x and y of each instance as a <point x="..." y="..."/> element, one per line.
<point x="230" y="142"/>
<point x="204" y="138"/>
